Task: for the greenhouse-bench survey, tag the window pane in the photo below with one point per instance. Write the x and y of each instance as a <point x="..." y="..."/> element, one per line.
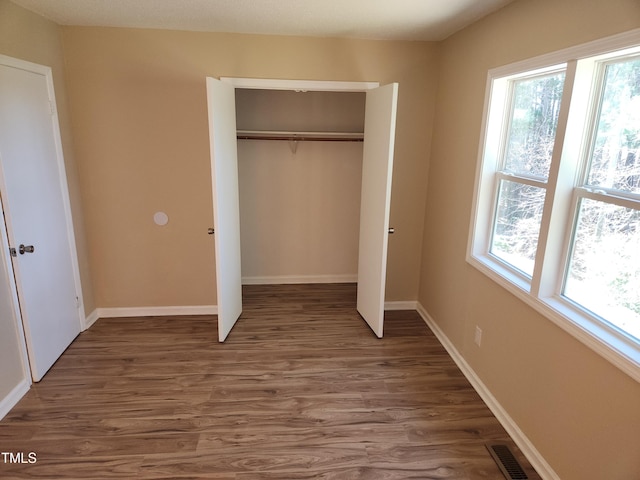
<point x="604" y="272"/>
<point x="615" y="157"/>
<point x="517" y="224"/>
<point x="533" y="122"/>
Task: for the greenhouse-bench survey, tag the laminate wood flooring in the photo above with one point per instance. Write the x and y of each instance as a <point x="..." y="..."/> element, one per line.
<point x="301" y="389"/>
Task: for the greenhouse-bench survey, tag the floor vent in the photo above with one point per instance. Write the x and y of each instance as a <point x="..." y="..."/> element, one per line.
<point x="508" y="464"/>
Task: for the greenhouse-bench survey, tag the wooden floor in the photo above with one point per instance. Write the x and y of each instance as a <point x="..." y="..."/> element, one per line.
<point x="302" y="389"/>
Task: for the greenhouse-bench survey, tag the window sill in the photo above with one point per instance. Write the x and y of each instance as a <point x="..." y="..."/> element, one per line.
<point x="615" y="347"/>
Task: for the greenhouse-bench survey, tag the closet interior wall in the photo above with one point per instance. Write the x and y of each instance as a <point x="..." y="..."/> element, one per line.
<point x="299" y="200"/>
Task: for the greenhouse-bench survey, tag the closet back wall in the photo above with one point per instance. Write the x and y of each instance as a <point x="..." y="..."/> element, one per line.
<point x="139" y="112"/>
<point x="299" y="202"/>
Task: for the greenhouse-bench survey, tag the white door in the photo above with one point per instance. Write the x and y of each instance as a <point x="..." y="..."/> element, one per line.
<point x="35" y="198"/>
<point x="377" y="166"/>
<point x="226" y="209"/>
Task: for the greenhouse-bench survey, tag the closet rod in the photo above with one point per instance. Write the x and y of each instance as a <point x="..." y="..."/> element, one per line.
<point x="300" y="136"/>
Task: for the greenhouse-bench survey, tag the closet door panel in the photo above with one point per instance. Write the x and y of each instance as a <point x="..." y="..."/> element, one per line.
<point x="226" y="210"/>
<point x="377" y="166"/>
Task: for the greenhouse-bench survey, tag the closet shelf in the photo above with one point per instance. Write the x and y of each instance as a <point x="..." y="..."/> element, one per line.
<point x="300" y="136"/>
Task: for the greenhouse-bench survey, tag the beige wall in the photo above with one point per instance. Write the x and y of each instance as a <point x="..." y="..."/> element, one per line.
<point x="258" y="109"/>
<point x="299" y="211"/>
<point x="138" y="104"/>
<point x="581" y="412"/>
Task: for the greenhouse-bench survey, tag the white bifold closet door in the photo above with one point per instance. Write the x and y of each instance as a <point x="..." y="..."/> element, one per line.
<point x="226" y="203"/>
<point x="380" y="120"/>
<point x="375" y="202"/>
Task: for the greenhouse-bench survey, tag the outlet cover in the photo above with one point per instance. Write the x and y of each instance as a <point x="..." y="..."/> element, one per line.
<point x="478" y="336"/>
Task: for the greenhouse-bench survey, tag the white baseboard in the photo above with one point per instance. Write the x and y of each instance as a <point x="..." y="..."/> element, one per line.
<point x="406" y="305"/>
<point x="90" y="319"/>
<point x="14" y="396"/>
<point x="156" y="311"/>
<point x="288" y="279"/>
<point x="524" y="444"/>
<point x="118" y="312"/>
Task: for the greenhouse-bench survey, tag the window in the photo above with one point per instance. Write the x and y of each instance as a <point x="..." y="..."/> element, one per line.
<point x="534" y="104"/>
<point x="557" y="206"/>
<point x="603" y="273"/>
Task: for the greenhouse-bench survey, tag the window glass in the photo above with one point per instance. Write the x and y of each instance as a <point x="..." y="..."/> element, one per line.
<point x="532" y="126"/>
<point x="517" y="224"/>
<point x="615" y="157"/>
<point x="604" y="268"/>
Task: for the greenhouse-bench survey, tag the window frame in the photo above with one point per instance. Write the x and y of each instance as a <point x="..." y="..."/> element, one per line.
<point x="565" y="186"/>
<point x="503" y="110"/>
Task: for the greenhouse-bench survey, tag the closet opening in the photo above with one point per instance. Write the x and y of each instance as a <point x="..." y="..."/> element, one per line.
<point x="301" y="187"/>
<point x="299" y="176"/>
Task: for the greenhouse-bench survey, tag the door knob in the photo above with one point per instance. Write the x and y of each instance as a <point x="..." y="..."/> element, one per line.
<point x="210" y="231"/>
<point x="25" y="249"/>
<point x="392" y="230"/>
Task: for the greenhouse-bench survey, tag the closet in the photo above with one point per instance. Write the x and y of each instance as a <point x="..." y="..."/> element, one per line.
<point x="300" y="171"/>
<point x="303" y="169"/>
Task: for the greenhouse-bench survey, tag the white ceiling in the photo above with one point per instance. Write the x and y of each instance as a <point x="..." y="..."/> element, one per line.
<point x="371" y="19"/>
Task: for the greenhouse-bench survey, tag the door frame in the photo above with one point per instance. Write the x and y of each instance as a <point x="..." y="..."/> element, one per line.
<point x="15" y="282"/>
<point x="318" y="86"/>
<point x="7" y="264"/>
<point x="299" y="85"/>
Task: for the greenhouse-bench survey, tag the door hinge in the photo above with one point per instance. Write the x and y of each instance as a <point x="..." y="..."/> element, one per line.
<point x="12" y="252"/>
<point x="52" y="107"/>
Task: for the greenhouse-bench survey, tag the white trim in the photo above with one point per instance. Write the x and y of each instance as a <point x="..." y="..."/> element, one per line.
<point x="401" y="305"/>
<point x="13" y="397"/>
<point x="118" y="312"/>
<point x="66" y="200"/>
<point x="297" y="135"/>
<point x="524" y="444"/>
<point x="300" y="85"/>
<point x="24" y="65"/>
<point x="7" y="269"/>
<point x="289" y="279"/>
<point x="90" y="319"/>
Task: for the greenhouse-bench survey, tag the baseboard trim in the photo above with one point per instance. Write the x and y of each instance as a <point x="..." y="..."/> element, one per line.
<point x="524" y="444"/>
<point x="401" y="305"/>
<point x="289" y="279"/>
<point x="90" y="319"/>
<point x="119" y="312"/>
<point x="13" y="397"/>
